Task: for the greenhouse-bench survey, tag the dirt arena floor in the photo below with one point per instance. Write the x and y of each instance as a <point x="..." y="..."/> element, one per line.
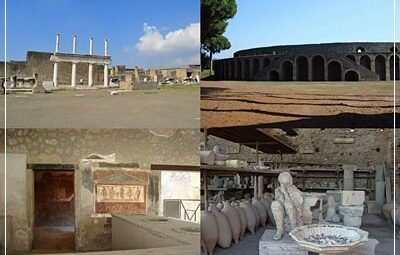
<point x="297" y="104"/>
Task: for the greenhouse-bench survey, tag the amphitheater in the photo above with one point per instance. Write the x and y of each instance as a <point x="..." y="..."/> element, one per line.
<point x="359" y="61"/>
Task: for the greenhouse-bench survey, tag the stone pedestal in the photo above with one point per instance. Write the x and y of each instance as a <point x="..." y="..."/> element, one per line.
<point x="352" y="215"/>
<point x="287" y="246"/>
<point x="353" y="197"/>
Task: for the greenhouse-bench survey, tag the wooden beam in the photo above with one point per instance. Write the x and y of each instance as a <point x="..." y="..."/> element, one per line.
<point x="183" y="168"/>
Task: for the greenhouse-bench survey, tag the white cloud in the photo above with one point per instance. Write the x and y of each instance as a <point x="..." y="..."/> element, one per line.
<point x="184" y="40"/>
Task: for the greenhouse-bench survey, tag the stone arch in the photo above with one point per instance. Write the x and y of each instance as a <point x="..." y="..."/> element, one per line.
<point x="273" y="75"/>
<point x="380" y="67"/>
<point x="365" y="61"/>
<point x="287" y="70"/>
<point x="351" y="57"/>
<point x="256" y="66"/>
<point x="394" y="67"/>
<point x="246" y="69"/>
<point x="238" y="73"/>
<point x="360" y="49"/>
<point x="266" y="62"/>
<point x="351" y="75"/>
<point x="302" y="68"/>
<point x="334" y="71"/>
<point x="318" y="68"/>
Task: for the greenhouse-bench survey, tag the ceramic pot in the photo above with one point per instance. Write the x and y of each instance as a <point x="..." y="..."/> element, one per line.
<point x="209" y="231"/>
<point x="233" y="219"/>
<point x="266" y="201"/>
<point x="387" y="211"/>
<point x="224" y="230"/>
<point x="242" y="217"/>
<point x="250" y="217"/>
<point x="256" y="215"/>
<point x="262" y="211"/>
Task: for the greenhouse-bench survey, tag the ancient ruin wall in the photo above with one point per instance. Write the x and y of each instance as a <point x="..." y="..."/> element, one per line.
<point x="369" y="147"/>
<point x="39" y="62"/>
<point x="69" y="146"/>
<point x="312" y="62"/>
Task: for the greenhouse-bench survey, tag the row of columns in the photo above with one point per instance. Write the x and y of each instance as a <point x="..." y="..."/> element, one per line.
<point x="73" y="72"/>
<point x="234" y="69"/>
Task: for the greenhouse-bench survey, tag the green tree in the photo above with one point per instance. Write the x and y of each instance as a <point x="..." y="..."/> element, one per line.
<point x="214" y="16"/>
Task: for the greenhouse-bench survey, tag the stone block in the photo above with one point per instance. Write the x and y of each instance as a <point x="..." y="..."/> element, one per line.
<point x="337" y="195"/>
<point x="353" y="210"/>
<point x="352" y="221"/>
<point x="38" y="88"/>
<point x="353" y="197"/>
<point x="374" y="207"/>
<point x="268" y="246"/>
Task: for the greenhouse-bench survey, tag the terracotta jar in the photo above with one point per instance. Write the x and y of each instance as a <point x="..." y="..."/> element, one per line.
<point x="262" y="211"/>
<point x="266" y="200"/>
<point x="209" y="231"/>
<point x="256" y="215"/>
<point x="233" y="219"/>
<point x="242" y="217"/>
<point x="224" y="230"/>
<point x="250" y="217"/>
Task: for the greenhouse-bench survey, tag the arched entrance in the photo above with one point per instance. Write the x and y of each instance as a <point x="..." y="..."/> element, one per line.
<point x="302" y="68"/>
<point x="394" y="68"/>
<point x="246" y="69"/>
<point x="273" y="75"/>
<point x="365" y="61"/>
<point x="256" y="66"/>
<point x="351" y="76"/>
<point x="380" y="67"/>
<point x="318" y="68"/>
<point x="287" y="71"/>
<point x="334" y="71"/>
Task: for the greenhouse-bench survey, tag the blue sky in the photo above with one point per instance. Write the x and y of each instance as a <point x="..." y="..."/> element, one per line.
<point x="274" y="22"/>
<point x="150" y="33"/>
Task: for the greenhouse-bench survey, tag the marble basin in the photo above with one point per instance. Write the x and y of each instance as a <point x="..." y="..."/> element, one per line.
<point x="328" y="238"/>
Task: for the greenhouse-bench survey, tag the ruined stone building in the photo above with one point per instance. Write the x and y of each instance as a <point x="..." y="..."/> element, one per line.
<point x="39" y="62"/>
<point x="358" y="61"/>
<point x="66" y="188"/>
<point x="366" y="149"/>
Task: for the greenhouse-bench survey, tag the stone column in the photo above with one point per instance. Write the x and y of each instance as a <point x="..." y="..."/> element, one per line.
<point x="294" y="74"/>
<point x="310" y="78"/>
<point x="55" y="70"/>
<point x="388" y="69"/>
<point x="243" y="67"/>
<point x="348" y="176"/>
<point x="105" y="65"/>
<point x="326" y="71"/>
<point x="90" y="78"/>
<point x="373" y="64"/>
<point x="73" y="75"/>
